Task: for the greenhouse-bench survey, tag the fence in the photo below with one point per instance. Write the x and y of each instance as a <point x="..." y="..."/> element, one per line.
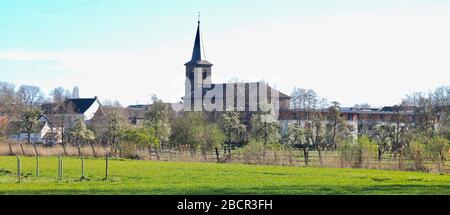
<point x="330" y="159"/>
<point x="13" y="148"/>
<point x="293" y="157"/>
<point x="24" y="171"/>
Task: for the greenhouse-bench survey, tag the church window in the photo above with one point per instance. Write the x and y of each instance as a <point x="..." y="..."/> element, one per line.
<point x="204" y="74"/>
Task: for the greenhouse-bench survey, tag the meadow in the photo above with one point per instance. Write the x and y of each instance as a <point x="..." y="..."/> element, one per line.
<point x="192" y="178"/>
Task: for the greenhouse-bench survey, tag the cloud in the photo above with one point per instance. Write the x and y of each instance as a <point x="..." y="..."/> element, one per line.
<point x="25" y="55"/>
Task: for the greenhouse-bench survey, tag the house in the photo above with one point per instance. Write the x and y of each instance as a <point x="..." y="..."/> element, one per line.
<point x="55" y="120"/>
<point x="42" y="132"/>
<point x="362" y="121"/>
<point x="63" y="116"/>
<point x="84" y="108"/>
<point x="133" y="115"/>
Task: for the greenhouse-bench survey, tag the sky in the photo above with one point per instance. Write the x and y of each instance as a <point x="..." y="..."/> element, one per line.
<point x="351" y="51"/>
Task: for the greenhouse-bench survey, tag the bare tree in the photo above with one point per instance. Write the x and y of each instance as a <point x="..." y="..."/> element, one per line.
<point x="111" y="103"/>
<point x="30" y="96"/>
<point x="316" y="132"/>
<point x="399" y="133"/>
<point x="59" y="95"/>
<point x="334" y="119"/>
<point x="8" y="100"/>
<point x="383" y="139"/>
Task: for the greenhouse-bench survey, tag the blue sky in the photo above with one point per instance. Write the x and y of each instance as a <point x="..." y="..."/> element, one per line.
<point x="119" y="24"/>
<point x="127" y="50"/>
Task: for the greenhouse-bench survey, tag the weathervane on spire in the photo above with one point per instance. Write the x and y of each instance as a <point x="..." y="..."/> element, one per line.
<point x="199" y="17"/>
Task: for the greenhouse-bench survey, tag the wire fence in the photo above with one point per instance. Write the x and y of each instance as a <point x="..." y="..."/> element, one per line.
<point x="287" y="157"/>
<point x="28" y="169"/>
<point x="296" y="157"/>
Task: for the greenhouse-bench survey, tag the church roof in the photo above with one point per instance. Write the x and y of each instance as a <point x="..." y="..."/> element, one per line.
<point x="74" y="105"/>
<point x="233" y="85"/>
<point x="81" y="105"/>
<point x="197" y="58"/>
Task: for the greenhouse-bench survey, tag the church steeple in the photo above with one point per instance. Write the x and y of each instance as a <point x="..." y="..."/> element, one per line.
<point x="197" y="53"/>
<point x="198" y="57"/>
<point x="198" y="71"/>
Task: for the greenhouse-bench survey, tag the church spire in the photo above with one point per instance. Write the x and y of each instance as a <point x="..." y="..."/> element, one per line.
<point x="197" y="55"/>
<point x="197" y="52"/>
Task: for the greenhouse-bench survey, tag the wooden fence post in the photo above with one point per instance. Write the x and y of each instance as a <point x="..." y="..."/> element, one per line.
<point x="59" y="166"/>
<point x="157" y="153"/>
<point x="78" y="148"/>
<point x="82" y="167"/>
<point x="10" y="149"/>
<point x="217" y="155"/>
<point x="62" y="168"/>
<point x="37" y="166"/>
<point x="21" y="147"/>
<point x="93" y="148"/>
<point x="64" y="148"/>
<point x="107" y="167"/>
<point x="19" y="175"/>
<point x="36" y="150"/>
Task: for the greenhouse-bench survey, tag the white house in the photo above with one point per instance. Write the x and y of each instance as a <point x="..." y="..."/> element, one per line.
<point x="55" y="119"/>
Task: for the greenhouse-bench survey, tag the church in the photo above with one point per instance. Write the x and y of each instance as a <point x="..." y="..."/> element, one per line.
<point x="203" y="95"/>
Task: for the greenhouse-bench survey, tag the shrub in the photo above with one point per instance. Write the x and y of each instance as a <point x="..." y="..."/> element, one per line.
<point x="253" y="152"/>
<point x="277" y="150"/>
<point x="437" y="149"/>
<point x="416" y="152"/>
<point x="367" y="150"/>
<point x="128" y="150"/>
<point x="346" y="152"/>
<point x="358" y="154"/>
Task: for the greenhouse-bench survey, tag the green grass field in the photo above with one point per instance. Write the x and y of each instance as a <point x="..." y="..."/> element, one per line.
<point x="151" y="177"/>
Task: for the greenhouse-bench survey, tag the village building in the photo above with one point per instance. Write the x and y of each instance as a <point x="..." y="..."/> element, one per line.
<point x="55" y="119"/>
<point x="42" y="132"/>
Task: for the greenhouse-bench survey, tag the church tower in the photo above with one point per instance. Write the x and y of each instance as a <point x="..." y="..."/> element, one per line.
<point x="198" y="75"/>
<point x="198" y="69"/>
